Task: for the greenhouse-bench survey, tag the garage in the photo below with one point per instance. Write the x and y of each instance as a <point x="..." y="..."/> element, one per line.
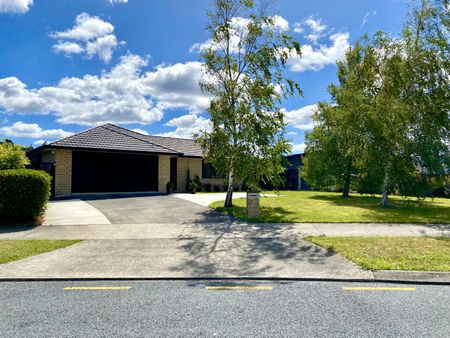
<point x="113" y="172"/>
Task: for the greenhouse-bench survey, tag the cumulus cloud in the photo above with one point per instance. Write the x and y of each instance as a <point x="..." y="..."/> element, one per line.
<point x="90" y="35"/>
<point x="239" y="28"/>
<point x="15" y="6"/>
<point x="38" y="143"/>
<point x="298" y="148"/>
<point x="187" y="125"/>
<point x="313" y="26"/>
<point x="140" y="131"/>
<point x="300" y="118"/>
<point x="126" y="94"/>
<point x="117" y="1"/>
<point x="32" y="130"/>
<point x="315" y="59"/>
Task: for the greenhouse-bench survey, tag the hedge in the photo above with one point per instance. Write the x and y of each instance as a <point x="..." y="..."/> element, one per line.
<point x="24" y="194"/>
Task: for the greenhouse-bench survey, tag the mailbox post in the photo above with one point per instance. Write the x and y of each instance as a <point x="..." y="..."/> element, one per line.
<point x="252" y="204"/>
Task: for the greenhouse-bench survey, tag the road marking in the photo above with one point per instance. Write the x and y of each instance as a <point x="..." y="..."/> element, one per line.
<point x="365" y="288"/>
<point x="81" y="288"/>
<point x="238" y="287"/>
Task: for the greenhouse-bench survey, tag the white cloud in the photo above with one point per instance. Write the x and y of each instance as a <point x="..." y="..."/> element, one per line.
<point x="14" y="96"/>
<point x="317" y="58"/>
<point x="140" y="131"/>
<point x="187" y="125"/>
<point x="317" y="28"/>
<point x="90" y="35"/>
<point x="32" y="130"/>
<point x="126" y="94"/>
<point x="367" y="16"/>
<point x="15" y="6"/>
<point x="38" y="143"/>
<point x="298" y="148"/>
<point x="117" y="1"/>
<point x="239" y="28"/>
<point x="293" y="133"/>
<point x="298" y="27"/>
<point x="300" y="118"/>
<point x="68" y="48"/>
<point x="314" y="26"/>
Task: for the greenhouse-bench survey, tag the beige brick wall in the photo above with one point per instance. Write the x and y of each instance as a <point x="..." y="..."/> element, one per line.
<point x="63" y="172"/>
<point x="163" y="172"/>
<point x="195" y="168"/>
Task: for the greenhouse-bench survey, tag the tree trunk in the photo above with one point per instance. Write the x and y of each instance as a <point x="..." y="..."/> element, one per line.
<point x="384" y="194"/>
<point x="346" y="187"/>
<point x="229" y="198"/>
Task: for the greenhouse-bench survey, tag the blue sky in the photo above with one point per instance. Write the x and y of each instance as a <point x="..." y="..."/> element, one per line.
<point x="68" y="65"/>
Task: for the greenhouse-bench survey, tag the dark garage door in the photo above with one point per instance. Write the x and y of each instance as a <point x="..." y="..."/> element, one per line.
<point x="113" y="172"/>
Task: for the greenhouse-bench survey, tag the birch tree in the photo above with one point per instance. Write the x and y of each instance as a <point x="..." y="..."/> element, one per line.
<point x="244" y="61"/>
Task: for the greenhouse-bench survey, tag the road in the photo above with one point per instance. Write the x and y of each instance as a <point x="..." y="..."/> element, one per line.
<point x="204" y="309"/>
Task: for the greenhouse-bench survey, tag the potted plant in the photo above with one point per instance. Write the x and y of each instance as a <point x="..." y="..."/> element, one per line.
<point x="193" y="187"/>
<point x="169" y="187"/>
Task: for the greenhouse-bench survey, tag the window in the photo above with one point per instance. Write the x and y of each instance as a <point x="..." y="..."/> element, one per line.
<point x="208" y="171"/>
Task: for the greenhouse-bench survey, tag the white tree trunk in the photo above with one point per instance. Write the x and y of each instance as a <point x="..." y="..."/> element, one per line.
<point x="384" y="194"/>
<point x="229" y="198"/>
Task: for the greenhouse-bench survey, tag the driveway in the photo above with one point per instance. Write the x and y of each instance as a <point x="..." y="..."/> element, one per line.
<point x="128" y="209"/>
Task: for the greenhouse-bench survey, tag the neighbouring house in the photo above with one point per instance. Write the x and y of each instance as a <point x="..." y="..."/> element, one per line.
<point x="292" y="175"/>
<point x="109" y="158"/>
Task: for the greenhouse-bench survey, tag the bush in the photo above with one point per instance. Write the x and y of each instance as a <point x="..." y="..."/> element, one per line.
<point x="24" y="194"/>
<point x="12" y="156"/>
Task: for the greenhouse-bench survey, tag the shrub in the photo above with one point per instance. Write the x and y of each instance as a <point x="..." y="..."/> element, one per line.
<point x="24" y="194"/>
<point x="12" y="156"/>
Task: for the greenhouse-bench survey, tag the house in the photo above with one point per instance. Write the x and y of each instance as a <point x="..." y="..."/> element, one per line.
<point x="292" y="174"/>
<point x="109" y="158"/>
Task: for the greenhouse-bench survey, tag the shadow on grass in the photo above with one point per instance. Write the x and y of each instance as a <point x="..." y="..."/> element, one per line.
<point x="233" y="248"/>
<point x="267" y="214"/>
<point x="398" y="210"/>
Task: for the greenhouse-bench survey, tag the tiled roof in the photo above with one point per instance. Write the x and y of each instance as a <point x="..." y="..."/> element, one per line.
<point x="186" y="146"/>
<point x="111" y="137"/>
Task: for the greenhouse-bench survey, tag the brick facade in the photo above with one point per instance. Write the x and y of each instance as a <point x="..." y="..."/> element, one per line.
<point x="63" y="172"/>
<point x="163" y="172"/>
<point x="183" y="164"/>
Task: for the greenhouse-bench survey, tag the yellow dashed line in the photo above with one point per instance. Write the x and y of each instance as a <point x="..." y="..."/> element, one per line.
<point x="237" y="287"/>
<point x="82" y="288"/>
<point x="364" y="288"/>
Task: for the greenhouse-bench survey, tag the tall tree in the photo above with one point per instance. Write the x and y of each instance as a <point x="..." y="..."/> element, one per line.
<point x="335" y="146"/>
<point x="244" y="61"/>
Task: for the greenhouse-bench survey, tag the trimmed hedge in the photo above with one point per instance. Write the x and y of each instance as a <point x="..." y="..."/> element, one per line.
<point x="24" y="194"/>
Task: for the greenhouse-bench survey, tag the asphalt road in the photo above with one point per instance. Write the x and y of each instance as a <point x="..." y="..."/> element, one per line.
<point x="248" y="309"/>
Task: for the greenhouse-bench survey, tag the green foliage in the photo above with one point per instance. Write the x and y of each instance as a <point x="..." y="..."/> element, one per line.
<point x="12" y="156"/>
<point x="387" y="126"/>
<point x="193" y="186"/>
<point x="24" y="194"/>
<point x="245" y="62"/>
<point x="188" y="179"/>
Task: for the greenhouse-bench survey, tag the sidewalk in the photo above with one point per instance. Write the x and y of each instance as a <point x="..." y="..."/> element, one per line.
<point x="231" y="228"/>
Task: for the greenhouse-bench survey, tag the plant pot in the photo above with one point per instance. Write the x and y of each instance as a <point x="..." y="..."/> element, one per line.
<point x="193" y="190"/>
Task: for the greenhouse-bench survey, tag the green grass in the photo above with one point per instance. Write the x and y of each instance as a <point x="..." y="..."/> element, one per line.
<point x="391" y="253"/>
<point x="13" y="250"/>
<point x="312" y="206"/>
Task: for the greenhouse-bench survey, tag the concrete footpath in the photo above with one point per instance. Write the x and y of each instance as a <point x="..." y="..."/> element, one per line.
<point x="234" y="228"/>
<point x="192" y="250"/>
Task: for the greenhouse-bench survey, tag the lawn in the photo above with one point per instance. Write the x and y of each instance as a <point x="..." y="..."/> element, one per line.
<point x="391" y="253"/>
<point x="13" y="250"/>
<point x="312" y="206"/>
